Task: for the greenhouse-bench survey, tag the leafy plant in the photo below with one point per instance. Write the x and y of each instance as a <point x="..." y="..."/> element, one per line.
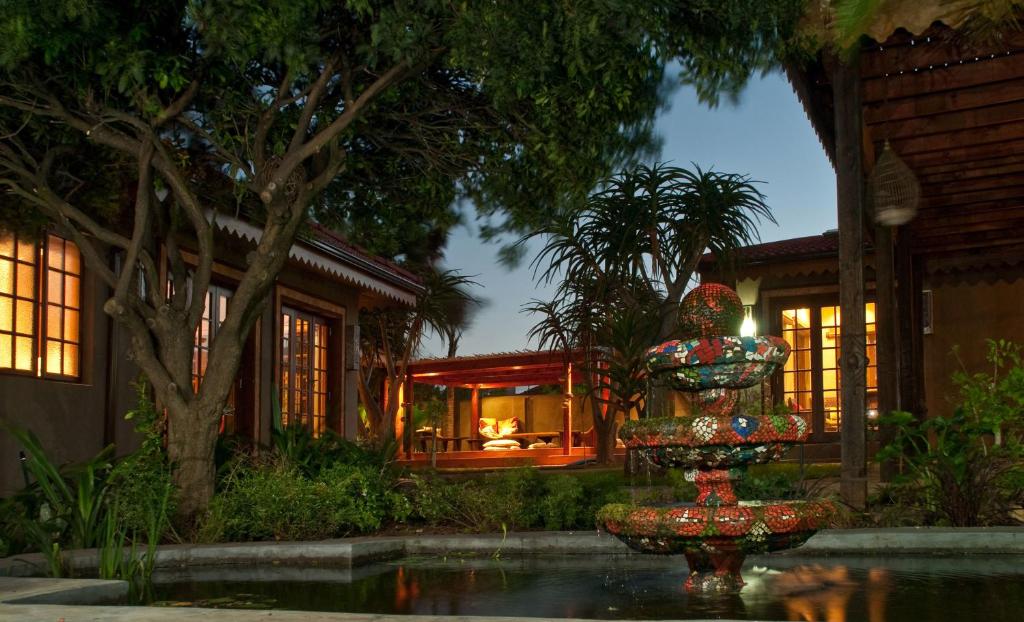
<point x="964" y="470"/>
<point x="68" y="503"/>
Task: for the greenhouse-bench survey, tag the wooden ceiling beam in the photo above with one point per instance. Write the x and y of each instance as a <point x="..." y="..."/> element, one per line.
<point x="970" y="170"/>
<point x="991" y="134"/>
<point x="952" y="186"/>
<point x="980" y="96"/>
<point x="965" y="242"/>
<point x="997" y="228"/>
<point x="999" y="69"/>
<point x="1004" y="195"/>
<point x="957" y="121"/>
<point x="934" y="48"/>
<point x="960" y="155"/>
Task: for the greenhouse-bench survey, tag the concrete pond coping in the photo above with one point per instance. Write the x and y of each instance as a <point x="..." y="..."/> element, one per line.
<point x="29" y="599"/>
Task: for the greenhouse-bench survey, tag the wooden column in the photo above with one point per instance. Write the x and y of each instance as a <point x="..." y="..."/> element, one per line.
<point x="567" y="412"/>
<point x="448" y="429"/>
<point x="886" y="346"/>
<point x="850" y="198"/>
<point x="409" y="406"/>
<point x="474" y="407"/>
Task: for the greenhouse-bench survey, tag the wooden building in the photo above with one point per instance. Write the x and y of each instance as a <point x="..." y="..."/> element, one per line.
<point x="66" y="371"/>
<point x="951" y="106"/>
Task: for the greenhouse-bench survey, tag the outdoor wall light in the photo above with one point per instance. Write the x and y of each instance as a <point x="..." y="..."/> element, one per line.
<point x="872" y="414"/>
<point x="748" y="328"/>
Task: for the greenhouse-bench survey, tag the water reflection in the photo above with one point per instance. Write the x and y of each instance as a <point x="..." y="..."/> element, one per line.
<point x="781" y="588"/>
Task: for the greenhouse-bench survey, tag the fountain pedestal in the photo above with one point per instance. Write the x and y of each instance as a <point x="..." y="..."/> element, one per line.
<point x="715" y="446"/>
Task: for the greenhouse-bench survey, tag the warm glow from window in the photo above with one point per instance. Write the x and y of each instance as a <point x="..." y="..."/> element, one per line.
<point x="63" y="307"/>
<point x="40" y="330"/>
<point x="801" y="381"/>
<point x="304" y="387"/>
<point x="796" y="376"/>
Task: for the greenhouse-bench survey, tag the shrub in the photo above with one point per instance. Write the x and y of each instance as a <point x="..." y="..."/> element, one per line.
<point x="277" y="502"/>
<point x="563" y="505"/>
<point x="965" y="470"/>
<point x="515" y="500"/>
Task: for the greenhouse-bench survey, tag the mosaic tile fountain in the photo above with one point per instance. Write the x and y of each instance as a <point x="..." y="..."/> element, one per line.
<point x="714" y="445"/>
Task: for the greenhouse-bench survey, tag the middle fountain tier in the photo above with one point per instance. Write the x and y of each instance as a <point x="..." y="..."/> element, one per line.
<point x="714" y="446"/>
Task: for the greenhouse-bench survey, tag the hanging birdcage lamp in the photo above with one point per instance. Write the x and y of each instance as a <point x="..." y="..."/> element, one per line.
<point x="894" y="189"/>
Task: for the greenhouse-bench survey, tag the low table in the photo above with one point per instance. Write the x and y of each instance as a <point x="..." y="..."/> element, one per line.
<point x="540" y="436"/>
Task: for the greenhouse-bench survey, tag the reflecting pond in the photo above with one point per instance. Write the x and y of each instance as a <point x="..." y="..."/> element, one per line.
<point x="872" y="589"/>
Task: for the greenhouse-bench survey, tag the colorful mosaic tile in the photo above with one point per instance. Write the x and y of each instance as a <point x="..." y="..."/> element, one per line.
<point x="715" y="447"/>
<point x="710" y="309"/>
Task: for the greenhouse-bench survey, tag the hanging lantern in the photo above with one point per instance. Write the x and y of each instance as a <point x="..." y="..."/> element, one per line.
<point x="894" y="189"/>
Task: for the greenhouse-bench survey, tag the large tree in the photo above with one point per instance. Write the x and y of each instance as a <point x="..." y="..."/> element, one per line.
<point x="130" y="124"/>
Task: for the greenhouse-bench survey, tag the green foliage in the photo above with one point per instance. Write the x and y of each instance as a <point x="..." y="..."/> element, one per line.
<point x="966" y="469"/>
<point x="278" y="502"/>
<point x="518" y="499"/>
<point x="141" y="485"/>
<point x="66" y="504"/>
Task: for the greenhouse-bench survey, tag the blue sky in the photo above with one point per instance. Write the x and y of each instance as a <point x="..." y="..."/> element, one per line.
<point x="766" y="135"/>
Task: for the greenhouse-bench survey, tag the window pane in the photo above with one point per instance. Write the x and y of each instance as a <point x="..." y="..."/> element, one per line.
<point x="72" y="259"/>
<point x="55" y="252"/>
<point x="54" y="287"/>
<point x="6" y="314"/>
<point x="70" y="359"/>
<point x="23" y="318"/>
<point x="6" y="245"/>
<point x="26" y="281"/>
<point x="26" y="251"/>
<point x="6" y="350"/>
<point x="72" y="292"/>
<point x="54" y="322"/>
<point x="71" y="325"/>
<point x="54" y="352"/>
<point x="6" y="276"/>
<point x="23" y="353"/>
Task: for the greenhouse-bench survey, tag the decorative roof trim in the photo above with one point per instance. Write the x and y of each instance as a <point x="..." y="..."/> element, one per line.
<point x="340" y="263"/>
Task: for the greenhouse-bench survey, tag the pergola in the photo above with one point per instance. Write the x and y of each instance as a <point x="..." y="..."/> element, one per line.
<point x="953" y="111"/>
<point x="501" y="370"/>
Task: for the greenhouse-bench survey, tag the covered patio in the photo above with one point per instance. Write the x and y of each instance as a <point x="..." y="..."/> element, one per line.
<point x="550" y="425"/>
<point x="952" y="109"/>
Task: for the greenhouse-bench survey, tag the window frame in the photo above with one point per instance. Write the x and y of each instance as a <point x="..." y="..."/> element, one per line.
<point x="40" y="303"/>
<point x="333" y="317"/>
<point x="815" y="302"/>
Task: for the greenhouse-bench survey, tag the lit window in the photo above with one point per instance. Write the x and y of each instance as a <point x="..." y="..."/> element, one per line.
<point x="215" y="310"/>
<point x="801" y="379"/>
<point x="40" y="310"/>
<point x="304" y="370"/>
<point x="796" y="376"/>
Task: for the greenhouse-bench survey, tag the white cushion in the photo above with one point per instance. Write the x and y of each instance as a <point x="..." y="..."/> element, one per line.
<point x="507" y="443"/>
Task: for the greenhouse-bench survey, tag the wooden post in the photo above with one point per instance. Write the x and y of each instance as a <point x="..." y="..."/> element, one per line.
<point x="850" y="195"/>
<point x="567" y="412"/>
<point x="885" y="344"/>
<point x="449" y="418"/>
<point x="474" y="406"/>
<point x="409" y="405"/>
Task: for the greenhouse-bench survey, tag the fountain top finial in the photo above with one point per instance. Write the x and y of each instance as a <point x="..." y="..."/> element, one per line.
<point x="710" y="310"/>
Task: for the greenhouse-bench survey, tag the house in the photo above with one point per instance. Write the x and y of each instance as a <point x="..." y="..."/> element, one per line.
<point x="792" y="289"/>
<point x="66" y="370"/>
<point x="949" y="106"/>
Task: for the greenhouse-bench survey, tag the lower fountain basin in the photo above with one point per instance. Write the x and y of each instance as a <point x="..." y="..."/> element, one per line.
<point x="747" y="527"/>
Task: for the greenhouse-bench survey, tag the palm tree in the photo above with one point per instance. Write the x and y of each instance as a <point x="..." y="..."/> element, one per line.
<point x="389" y="338"/>
<point x="623" y="262"/>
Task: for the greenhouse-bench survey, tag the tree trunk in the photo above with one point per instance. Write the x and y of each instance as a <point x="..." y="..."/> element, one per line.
<point x="605" y="438"/>
<point x="191" y="441"/>
<point x="604" y="431"/>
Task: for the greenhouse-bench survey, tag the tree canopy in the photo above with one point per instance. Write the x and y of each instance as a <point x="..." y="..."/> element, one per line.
<point x="129" y="125"/>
